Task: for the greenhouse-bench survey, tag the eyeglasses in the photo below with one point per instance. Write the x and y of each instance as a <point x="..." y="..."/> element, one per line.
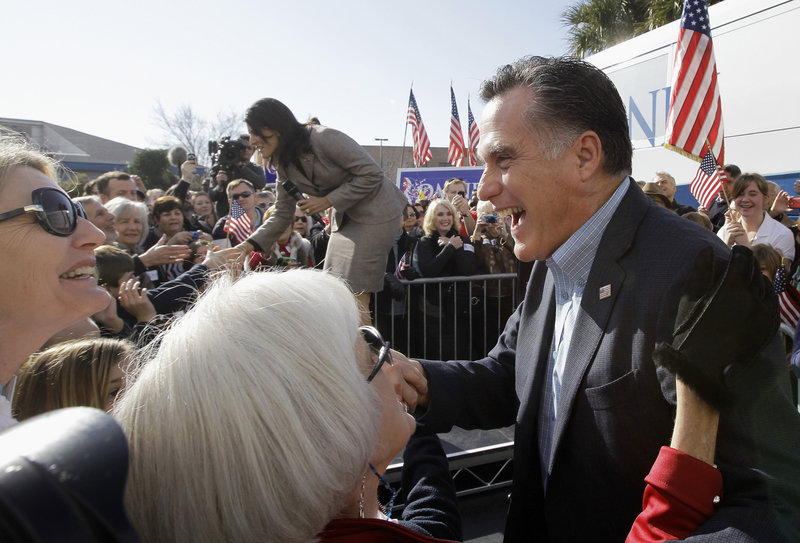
<point x="245" y="194"/>
<point x="411" y="214"/>
<point x="379" y="350"/>
<point x="299" y="218"/>
<point x="55" y="212"/>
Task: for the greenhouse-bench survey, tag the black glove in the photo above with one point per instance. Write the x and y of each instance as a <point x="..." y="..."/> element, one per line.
<point x="721" y="325"/>
<point x="397" y="288"/>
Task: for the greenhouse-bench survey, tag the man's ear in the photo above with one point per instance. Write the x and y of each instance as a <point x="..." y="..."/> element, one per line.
<point x="589" y="151"/>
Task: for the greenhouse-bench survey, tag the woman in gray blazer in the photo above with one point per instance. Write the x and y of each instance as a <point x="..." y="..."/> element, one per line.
<point x="332" y="170"/>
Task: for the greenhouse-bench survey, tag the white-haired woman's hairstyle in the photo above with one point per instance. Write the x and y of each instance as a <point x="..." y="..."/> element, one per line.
<point x="122" y="207"/>
<point x="240" y="429"/>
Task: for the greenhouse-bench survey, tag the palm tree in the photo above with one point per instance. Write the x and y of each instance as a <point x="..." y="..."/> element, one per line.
<point x="594" y="25"/>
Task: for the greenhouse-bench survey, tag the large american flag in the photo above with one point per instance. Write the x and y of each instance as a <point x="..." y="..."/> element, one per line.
<point x="456" y="151"/>
<point x="695" y="110"/>
<point x="707" y="181"/>
<point x="788" y="299"/>
<point x="422" y="145"/>
<point x="474" y="136"/>
<point x="238" y="223"/>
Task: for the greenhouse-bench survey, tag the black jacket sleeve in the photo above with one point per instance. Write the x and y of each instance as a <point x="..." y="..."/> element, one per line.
<point x="435" y="261"/>
<point x="179" y="190"/>
<point x="431" y="506"/>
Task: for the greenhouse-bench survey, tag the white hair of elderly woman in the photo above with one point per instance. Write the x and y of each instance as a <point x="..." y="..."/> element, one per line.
<point x="121" y="207"/>
<point x="241" y="429"/>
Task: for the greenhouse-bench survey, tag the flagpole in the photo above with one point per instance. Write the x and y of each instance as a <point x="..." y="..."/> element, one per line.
<point x="469" y="136"/>
<point x="405" y="129"/>
<point x="724" y="192"/>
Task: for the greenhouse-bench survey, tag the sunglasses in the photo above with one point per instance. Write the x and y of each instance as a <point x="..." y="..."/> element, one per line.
<point x="54" y="211"/>
<point x="246" y="194"/>
<point x="411" y="214"/>
<point x="379" y="349"/>
<point x="299" y="218"/>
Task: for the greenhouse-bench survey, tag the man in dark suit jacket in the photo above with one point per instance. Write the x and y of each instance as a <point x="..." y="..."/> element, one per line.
<point x="573" y="368"/>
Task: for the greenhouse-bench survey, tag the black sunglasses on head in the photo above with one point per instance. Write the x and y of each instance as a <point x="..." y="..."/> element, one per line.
<point x="54" y="211"/>
<point x="378" y="348"/>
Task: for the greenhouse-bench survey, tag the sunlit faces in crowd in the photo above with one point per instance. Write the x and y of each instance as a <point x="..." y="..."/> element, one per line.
<point x="119" y="188"/>
<point x="131" y="221"/>
<point x="265" y="199"/>
<point x="750" y="202"/>
<point x="456" y="189"/>
<point x="409" y="217"/>
<point x="47" y="280"/>
<point x="667" y="184"/>
<point x="201" y="203"/>
<point x="168" y="215"/>
<point x="85" y="372"/>
<point x="300" y="222"/>
<point x="243" y="193"/>
<point x="99" y="216"/>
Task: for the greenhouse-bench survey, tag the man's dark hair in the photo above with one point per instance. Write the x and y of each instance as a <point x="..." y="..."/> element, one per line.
<point x="733" y="171"/>
<point x="568" y="97"/>
<point x="101" y="183"/>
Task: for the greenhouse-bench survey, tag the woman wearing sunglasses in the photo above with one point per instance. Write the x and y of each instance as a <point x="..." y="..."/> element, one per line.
<point x="288" y="439"/>
<point x="334" y="172"/>
<point x="47" y="267"/>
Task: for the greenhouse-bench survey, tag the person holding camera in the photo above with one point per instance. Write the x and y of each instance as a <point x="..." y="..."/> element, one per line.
<point x="333" y="171"/>
<point x="231" y="160"/>
<point x="455" y="191"/>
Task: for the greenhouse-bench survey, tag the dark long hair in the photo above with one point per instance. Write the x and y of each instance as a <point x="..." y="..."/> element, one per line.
<point x="272" y="114"/>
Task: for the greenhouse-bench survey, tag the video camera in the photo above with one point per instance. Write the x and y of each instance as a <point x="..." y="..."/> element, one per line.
<point x="225" y="155"/>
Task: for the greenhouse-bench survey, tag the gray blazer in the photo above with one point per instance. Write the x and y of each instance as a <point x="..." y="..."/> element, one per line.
<point x="616" y="408"/>
<point x="339" y="169"/>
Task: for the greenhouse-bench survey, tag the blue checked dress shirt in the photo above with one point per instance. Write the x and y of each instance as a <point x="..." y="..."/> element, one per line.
<point x="569" y="267"/>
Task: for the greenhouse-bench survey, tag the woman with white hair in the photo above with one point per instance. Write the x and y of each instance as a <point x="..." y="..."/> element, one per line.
<point x="132" y="224"/>
<point x="265" y="436"/>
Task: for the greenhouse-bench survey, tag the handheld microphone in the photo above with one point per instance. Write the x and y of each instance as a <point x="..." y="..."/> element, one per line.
<point x="291" y="188"/>
<point x="177" y="155"/>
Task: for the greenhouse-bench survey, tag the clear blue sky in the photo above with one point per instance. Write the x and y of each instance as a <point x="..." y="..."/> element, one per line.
<point x="100" y="66"/>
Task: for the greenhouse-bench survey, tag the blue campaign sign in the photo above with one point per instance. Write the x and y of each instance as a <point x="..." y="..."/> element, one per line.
<point x="428" y="183"/>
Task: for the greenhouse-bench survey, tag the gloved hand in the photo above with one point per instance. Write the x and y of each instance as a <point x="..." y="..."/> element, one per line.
<point x="397" y="288"/>
<point x="720" y="326"/>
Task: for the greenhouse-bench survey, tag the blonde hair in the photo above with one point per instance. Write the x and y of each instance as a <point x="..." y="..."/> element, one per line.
<point x="70" y="374"/>
<point x="16" y="152"/>
<point x="429" y="223"/>
<point x="287" y="423"/>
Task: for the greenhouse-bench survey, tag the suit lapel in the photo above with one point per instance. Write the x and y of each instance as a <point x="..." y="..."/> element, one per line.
<point x="606" y="281"/>
<point x="535" y="339"/>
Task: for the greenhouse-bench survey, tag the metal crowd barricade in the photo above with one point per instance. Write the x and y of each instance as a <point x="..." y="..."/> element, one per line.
<point x="448" y="317"/>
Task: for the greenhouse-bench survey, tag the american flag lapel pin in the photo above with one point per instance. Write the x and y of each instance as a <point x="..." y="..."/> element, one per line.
<point x="605" y="292"/>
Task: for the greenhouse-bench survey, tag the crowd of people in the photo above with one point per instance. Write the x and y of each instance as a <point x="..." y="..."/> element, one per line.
<point x="643" y="369"/>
